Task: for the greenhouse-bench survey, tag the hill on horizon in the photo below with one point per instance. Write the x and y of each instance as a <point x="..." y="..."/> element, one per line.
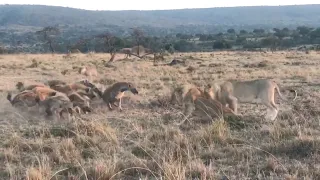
<point x="194" y="20"/>
<point x="19" y="24"/>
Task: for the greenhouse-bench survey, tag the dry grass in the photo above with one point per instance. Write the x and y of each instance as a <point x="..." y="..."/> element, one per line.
<point x="143" y="142"/>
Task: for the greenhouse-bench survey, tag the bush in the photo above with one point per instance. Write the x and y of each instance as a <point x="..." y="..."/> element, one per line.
<point x="222" y="44"/>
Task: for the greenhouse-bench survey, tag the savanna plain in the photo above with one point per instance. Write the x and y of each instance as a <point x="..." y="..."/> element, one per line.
<point x="143" y="142"/>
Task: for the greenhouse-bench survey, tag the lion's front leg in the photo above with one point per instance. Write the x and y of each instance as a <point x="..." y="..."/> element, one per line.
<point x="233" y="103"/>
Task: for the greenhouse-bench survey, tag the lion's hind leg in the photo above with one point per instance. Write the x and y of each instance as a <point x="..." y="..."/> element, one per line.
<point x="268" y="101"/>
<point x="272" y="112"/>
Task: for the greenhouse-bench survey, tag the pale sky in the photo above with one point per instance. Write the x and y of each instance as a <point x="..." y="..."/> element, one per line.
<point x="155" y="4"/>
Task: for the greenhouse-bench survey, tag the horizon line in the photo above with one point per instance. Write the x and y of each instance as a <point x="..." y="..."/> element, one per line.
<point x="159" y="9"/>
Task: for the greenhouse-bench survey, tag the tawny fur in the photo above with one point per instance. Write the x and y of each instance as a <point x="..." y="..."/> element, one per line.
<point x="197" y="99"/>
<point x="229" y="93"/>
<point x="179" y="93"/>
<point x="116" y="92"/>
<point x="88" y="71"/>
<point x="20" y="86"/>
<point x="43" y="92"/>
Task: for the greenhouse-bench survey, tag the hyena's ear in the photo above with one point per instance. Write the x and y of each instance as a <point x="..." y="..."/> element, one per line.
<point x="52" y="93"/>
<point x="79" y="70"/>
<point x="37" y="99"/>
<point x="87" y="90"/>
<point x="72" y="97"/>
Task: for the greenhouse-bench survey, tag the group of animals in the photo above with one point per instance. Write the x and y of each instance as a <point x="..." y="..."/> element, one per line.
<point x="57" y="96"/>
<point x="223" y="98"/>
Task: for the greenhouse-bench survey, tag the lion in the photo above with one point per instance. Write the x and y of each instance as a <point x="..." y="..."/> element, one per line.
<point x="179" y="93"/>
<point x="88" y="71"/>
<point x="203" y="100"/>
<point x="116" y="92"/>
<point x="43" y="92"/>
<point x="229" y="93"/>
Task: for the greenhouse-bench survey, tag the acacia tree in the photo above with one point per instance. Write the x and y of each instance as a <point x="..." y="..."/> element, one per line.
<point x="272" y="42"/>
<point x="82" y="43"/>
<point x="48" y="34"/>
<point x="231" y="31"/>
<point x="304" y="30"/>
<point x="138" y="37"/>
<point x="108" y="41"/>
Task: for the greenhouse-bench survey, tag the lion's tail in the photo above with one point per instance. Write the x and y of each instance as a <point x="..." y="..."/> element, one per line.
<point x="291" y="90"/>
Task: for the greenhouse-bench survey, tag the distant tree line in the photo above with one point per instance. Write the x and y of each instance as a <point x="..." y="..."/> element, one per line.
<point x="50" y="39"/>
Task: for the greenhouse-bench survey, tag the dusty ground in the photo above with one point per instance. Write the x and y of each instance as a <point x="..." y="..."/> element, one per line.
<point x="142" y="141"/>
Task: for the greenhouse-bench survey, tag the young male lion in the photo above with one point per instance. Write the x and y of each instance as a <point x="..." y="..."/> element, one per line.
<point x="201" y="100"/>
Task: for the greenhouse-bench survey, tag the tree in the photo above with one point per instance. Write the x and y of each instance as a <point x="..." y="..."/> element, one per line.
<point x="276" y="30"/>
<point x="210" y="37"/>
<point x="270" y="42"/>
<point x="220" y="34"/>
<point x="178" y="35"/>
<point x="281" y="34"/>
<point x="138" y="37"/>
<point x="169" y="47"/>
<point x="258" y="31"/>
<point x="315" y="33"/>
<point x="153" y="43"/>
<point x="203" y="37"/>
<point x="108" y="42"/>
<point x="286" y="30"/>
<point x="231" y="31"/>
<point x="186" y="36"/>
<point x="243" y="32"/>
<point x="304" y="30"/>
<point x="222" y="44"/>
<point x="82" y="43"/>
<point x="183" y="46"/>
<point x="48" y="34"/>
<point x="241" y="40"/>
